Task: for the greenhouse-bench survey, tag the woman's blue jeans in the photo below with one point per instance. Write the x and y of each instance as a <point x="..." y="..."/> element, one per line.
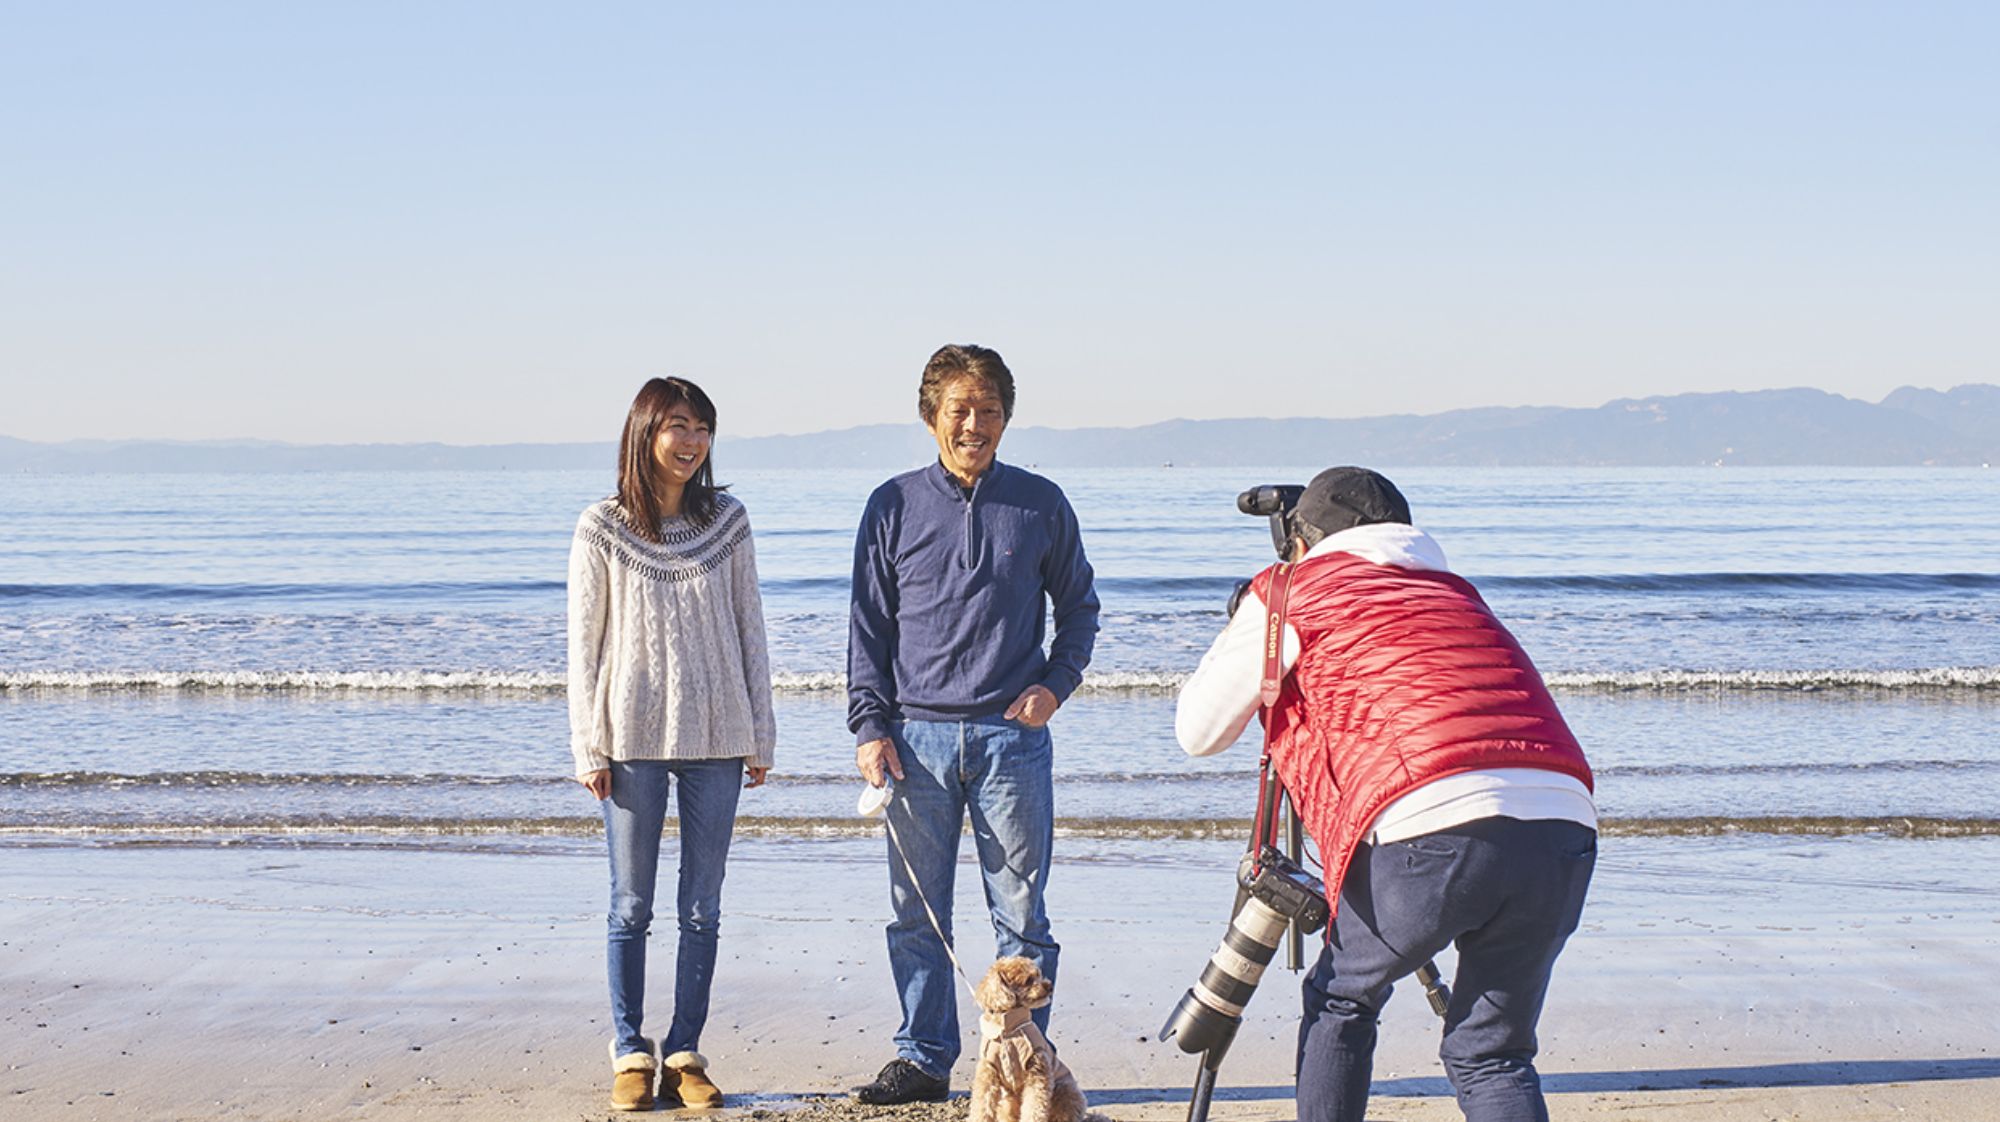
<point x="633" y="818"/>
<point x="1000" y="771"/>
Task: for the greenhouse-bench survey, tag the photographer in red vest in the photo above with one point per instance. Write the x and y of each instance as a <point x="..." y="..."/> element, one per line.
<point x="1449" y="801"/>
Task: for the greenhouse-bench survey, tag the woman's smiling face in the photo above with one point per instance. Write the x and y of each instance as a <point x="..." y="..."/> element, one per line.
<point x="681" y="446"/>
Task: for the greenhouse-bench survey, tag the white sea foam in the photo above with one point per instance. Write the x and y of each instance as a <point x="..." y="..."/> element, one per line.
<point x="1113" y="683"/>
<point x="823" y="681"/>
<point x="338" y="681"/>
<point x="1674" y="681"/>
<point x="1133" y="681"/>
<point x="284" y="681"/>
<point x="1662" y="681"/>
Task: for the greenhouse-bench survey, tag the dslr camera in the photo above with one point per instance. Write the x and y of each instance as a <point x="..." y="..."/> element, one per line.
<point x="1274" y="501"/>
<point x="1273" y="893"/>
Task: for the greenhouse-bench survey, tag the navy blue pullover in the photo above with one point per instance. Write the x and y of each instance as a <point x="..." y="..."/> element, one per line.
<point x="952" y="594"/>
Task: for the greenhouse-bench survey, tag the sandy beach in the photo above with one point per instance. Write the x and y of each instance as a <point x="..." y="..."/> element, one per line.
<point x="1823" y="979"/>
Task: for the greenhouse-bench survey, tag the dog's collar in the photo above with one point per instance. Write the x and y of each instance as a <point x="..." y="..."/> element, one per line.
<point x="993" y="1026"/>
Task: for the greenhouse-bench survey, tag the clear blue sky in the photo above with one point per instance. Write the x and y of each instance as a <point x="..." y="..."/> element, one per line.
<point x="489" y="222"/>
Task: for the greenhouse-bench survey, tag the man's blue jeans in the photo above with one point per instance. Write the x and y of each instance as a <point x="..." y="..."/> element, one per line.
<point x="1509" y="894"/>
<point x="1000" y="771"/>
<point x="633" y="817"/>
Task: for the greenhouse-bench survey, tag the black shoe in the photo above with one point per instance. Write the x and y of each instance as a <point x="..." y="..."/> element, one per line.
<point x="903" y="1082"/>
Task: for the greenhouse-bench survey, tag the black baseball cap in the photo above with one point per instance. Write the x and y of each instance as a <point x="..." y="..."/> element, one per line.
<point x="1340" y="498"/>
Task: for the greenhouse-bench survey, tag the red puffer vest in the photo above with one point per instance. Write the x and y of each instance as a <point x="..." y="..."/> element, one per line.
<point x="1404" y="676"/>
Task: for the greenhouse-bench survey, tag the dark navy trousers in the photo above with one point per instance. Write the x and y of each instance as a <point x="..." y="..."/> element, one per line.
<point x="1508" y="894"/>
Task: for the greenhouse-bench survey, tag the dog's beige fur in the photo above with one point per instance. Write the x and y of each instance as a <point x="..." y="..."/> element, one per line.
<point x="1019" y="1078"/>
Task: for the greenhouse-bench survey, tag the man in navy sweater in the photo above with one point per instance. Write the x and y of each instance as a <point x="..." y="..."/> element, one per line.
<point x="956" y="568"/>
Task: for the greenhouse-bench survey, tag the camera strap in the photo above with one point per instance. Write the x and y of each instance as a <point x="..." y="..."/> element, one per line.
<point x="1274" y="645"/>
<point x="1265" y="832"/>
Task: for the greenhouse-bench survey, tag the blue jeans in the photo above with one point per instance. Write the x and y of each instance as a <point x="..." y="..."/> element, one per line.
<point x="1509" y="894"/>
<point x="1000" y="771"/>
<point x="633" y="816"/>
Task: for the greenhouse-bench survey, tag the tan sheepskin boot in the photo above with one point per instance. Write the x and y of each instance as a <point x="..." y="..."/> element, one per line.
<point x="684" y="1076"/>
<point x="632" y="1080"/>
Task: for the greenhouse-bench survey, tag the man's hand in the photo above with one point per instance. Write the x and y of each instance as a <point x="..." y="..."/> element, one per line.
<point x="598" y="782"/>
<point x="753" y="776"/>
<point x="1033" y="708"/>
<point x="876" y="759"/>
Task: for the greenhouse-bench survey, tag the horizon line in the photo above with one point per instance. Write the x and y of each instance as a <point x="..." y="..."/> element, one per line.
<point x="271" y="441"/>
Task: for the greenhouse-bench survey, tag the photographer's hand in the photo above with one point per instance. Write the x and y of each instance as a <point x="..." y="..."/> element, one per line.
<point x="876" y="758"/>
<point x="1236" y="597"/>
<point x="1034" y="707"/>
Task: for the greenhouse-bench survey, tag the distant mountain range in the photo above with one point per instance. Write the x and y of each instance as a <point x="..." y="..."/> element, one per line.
<point x="1910" y="427"/>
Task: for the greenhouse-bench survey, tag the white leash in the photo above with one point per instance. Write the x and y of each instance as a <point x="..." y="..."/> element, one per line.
<point x="887" y="796"/>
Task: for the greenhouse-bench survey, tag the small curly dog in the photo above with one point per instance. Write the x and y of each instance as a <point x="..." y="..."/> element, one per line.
<point x="1019" y="1078"/>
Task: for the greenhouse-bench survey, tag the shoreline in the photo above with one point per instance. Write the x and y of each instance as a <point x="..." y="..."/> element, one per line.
<point x="580" y="833"/>
<point x="1823" y="978"/>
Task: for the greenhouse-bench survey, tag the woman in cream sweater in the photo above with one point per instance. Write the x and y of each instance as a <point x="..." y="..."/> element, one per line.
<point x="669" y="690"/>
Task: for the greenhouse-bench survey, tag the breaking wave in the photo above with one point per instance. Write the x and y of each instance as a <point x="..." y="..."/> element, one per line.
<point x="427" y="591"/>
<point x="1113" y="683"/>
<point x="1680" y="681"/>
<point x="1196" y="587"/>
<point x="282" y="681"/>
<point x="214" y="779"/>
<point x="1718" y="582"/>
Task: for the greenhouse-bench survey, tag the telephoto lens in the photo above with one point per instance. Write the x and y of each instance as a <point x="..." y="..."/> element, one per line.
<point x="1275" y="891"/>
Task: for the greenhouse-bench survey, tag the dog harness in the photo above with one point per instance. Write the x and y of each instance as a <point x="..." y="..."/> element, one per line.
<point x="997" y="1027"/>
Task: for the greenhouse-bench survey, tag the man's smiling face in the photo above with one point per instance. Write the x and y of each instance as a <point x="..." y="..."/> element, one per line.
<point x="968" y="425"/>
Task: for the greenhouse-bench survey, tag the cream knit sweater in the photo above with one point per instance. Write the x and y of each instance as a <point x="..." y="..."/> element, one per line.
<point x="666" y="642"/>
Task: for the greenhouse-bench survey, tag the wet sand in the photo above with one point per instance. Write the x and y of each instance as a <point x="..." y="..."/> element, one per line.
<point x="1722" y="978"/>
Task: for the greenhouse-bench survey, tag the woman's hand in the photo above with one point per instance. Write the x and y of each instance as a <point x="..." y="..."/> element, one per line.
<point x="597" y="782"/>
<point x="753" y="776"/>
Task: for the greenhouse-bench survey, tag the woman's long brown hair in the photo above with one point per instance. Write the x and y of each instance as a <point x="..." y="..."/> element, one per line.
<point x="638" y="474"/>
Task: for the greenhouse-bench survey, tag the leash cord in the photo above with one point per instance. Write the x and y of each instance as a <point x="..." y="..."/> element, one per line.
<point x="888" y="821"/>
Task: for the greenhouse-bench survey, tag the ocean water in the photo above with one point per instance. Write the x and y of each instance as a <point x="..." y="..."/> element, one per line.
<point x="377" y="659"/>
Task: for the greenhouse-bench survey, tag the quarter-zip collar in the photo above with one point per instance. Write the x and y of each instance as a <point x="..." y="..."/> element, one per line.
<point x="969" y="530"/>
<point x="945" y="481"/>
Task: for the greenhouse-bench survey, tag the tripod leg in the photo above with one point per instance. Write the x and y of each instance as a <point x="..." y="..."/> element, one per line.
<point x="1295" y="847"/>
<point x="1435" y="991"/>
<point x="1204" y="1092"/>
<point x="1204" y="1079"/>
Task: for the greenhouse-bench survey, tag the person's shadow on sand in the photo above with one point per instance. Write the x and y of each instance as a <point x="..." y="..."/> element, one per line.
<point x="1831" y="1073"/>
